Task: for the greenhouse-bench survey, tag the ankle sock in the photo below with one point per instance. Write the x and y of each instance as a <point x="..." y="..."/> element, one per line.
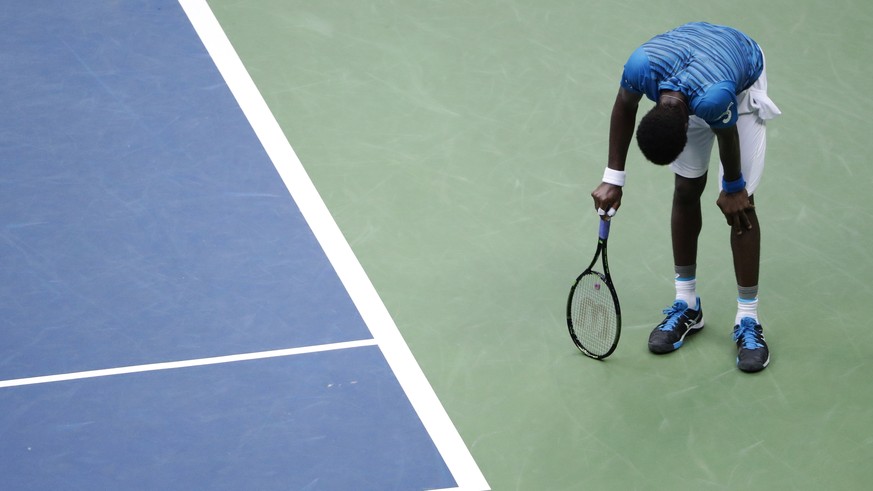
<point x="747" y="303"/>
<point x="686" y="285"/>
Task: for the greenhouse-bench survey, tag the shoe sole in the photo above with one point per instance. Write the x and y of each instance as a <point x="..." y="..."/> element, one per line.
<point x="664" y="349"/>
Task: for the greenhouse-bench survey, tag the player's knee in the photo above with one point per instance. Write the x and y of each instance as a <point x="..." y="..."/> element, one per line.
<point x="688" y="190"/>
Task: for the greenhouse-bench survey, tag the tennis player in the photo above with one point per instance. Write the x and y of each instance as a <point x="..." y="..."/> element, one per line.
<point x="709" y="84"/>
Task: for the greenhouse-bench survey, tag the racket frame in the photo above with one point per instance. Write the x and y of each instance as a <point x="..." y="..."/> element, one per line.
<point x="605" y="276"/>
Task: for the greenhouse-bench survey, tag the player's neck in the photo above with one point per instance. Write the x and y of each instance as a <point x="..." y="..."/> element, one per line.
<point x="671" y="98"/>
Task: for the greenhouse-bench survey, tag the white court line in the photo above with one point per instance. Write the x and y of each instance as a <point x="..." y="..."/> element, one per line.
<point x="413" y="381"/>
<point x="152" y="367"/>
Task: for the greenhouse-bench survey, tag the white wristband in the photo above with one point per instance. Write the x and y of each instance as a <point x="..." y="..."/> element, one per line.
<point x="613" y="176"/>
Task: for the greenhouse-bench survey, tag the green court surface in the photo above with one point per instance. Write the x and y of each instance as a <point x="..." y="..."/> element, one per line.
<point x="456" y="144"/>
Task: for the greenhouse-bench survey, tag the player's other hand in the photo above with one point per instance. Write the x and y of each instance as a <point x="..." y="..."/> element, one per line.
<point x="734" y="207"/>
<point x="607" y="199"/>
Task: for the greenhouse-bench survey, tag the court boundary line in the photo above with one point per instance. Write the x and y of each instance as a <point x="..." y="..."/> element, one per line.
<point x="197" y="362"/>
<point x="408" y="373"/>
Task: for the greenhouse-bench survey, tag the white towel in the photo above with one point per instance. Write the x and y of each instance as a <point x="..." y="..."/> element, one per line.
<point x="758" y="101"/>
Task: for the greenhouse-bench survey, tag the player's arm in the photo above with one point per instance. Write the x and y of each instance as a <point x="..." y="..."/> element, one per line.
<point x="621" y="129"/>
<point x="734" y="200"/>
<point x="621" y="126"/>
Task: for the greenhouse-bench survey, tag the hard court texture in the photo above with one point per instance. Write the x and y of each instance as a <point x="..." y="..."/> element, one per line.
<point x="456" y="144"/>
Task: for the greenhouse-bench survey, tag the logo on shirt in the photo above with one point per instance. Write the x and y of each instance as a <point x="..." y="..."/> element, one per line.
<point x="726" y="116"/>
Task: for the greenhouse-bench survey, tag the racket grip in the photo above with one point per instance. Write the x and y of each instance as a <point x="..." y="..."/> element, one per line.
<point x="604" y="229"/>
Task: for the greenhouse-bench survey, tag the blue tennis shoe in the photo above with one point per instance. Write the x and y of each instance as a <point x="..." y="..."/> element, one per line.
<point x="681" y="321"/>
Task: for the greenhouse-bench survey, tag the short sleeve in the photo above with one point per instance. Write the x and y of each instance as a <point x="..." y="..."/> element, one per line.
<point x="636" y="72"/>
<point x="717" y="105"/>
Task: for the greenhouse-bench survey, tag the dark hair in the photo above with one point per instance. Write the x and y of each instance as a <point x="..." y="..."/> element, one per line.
<point x="661" y="134"/>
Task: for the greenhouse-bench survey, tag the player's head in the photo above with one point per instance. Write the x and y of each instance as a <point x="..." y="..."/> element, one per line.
<point x="661" y="134"/>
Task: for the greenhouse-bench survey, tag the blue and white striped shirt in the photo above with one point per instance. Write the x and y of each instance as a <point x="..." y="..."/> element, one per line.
<point x="709" y="64"/>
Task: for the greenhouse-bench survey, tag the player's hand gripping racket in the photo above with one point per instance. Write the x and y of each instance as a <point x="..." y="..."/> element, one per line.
<point x="593" y="313"/>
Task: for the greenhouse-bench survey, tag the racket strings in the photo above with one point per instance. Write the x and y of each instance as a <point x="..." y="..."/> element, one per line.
<point x="593" y="315"/>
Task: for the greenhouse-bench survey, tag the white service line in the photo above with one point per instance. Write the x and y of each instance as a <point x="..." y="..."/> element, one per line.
<point x="409" y="374"/>
<point x="151" y="367"/>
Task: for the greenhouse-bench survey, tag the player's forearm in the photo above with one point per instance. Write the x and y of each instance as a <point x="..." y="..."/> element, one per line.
<point x="729" y="152"/>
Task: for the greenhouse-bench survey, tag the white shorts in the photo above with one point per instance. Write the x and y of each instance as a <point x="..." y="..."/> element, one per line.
<point x="755" y="109"/>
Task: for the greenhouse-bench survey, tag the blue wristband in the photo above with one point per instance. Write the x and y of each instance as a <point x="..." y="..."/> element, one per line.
<point x="731" y="187"/>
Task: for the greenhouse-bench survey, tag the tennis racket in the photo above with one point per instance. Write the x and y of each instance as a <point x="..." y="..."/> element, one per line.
<point x="593" y="312"/>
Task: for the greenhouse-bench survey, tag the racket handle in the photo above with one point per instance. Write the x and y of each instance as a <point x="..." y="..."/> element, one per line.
<point x="604" y="229"/>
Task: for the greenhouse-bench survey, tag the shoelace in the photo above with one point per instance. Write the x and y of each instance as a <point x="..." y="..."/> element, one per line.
<point x="674" y="312"/>
<point x="746" y="331"/>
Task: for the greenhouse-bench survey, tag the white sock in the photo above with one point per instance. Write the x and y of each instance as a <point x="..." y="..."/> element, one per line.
<point x="746" y="308"/>
<point x="686" y="290"/>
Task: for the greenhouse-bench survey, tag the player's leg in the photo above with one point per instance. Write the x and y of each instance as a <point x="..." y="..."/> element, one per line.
<point x="686" y="219"/>
<point x="685" y="315"/>
<point x="753" y="353"/>
<point x="746" y="249"/>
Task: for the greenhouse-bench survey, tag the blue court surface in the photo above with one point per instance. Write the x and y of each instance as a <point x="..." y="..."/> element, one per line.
<point x="170" y="320"/>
